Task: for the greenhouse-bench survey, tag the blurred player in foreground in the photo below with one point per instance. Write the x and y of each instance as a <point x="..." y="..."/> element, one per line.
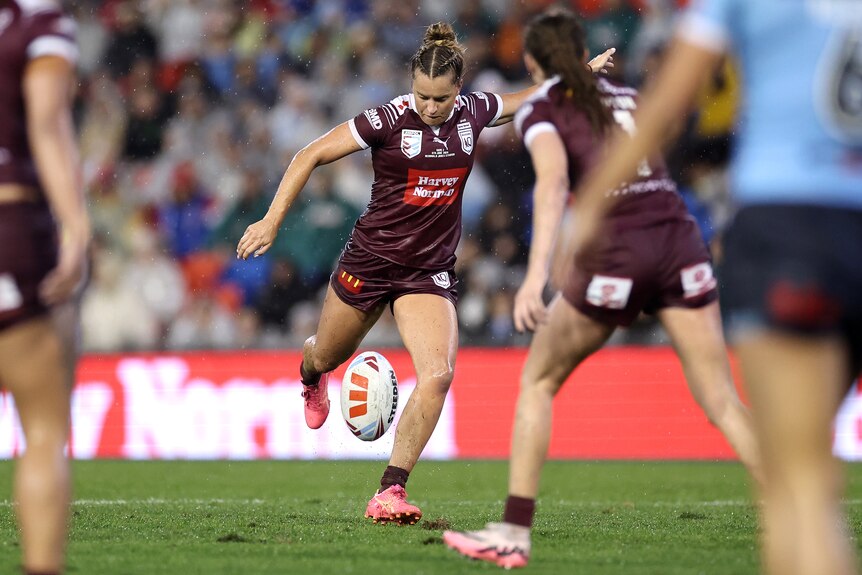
<point x="401" y="252"/>
<point x="650" y="257"/>
<point x="44" y="233"/>
<point x="794" y="263"/>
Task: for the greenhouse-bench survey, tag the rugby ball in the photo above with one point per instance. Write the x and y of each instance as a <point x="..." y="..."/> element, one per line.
<point x="369" y="395"/>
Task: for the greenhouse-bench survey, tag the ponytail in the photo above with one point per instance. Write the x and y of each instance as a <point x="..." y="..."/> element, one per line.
<point x="556" y="40"/>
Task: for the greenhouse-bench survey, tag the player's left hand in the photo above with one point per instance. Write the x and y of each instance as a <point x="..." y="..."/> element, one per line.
<point x="602" y="62"/>
<point x="257" y="239"/>
<point x="530" y="310"/>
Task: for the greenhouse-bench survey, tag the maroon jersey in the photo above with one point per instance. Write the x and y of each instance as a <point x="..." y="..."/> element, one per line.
<point x="650" y="198"/>
<point x="28" y="29"/>
<point x="414" y="216"/>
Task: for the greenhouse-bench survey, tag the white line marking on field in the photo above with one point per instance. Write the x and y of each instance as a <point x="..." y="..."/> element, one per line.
<point x="219" y="501"/>
<point x="158" y="501"/>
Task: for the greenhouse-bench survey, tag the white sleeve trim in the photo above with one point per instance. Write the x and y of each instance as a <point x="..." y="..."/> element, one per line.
<point x="351" y="123"/>
<point x="53" y="46"/>
<point x="499" y="109"/>
<point x="535" y="130"/>
<point x="701" y="31"/>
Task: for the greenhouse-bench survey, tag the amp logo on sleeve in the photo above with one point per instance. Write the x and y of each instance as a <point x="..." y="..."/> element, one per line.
<point x="374" y="119"/>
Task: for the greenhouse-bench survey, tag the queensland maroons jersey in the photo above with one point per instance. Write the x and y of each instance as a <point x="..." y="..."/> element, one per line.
<point x="414" y="216"/>
<point x="28" y="29"/>
<point x="799" y="139"/>
<point x="649" y="198"/>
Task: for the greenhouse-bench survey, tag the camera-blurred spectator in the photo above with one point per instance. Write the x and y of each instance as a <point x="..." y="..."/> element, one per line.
<point x="114" y="314"/>
<point x="130" y="38"/>
<point x="184" y="219"/>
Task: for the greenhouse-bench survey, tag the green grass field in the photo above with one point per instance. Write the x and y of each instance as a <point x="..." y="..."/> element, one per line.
<point x="306" y="517"/>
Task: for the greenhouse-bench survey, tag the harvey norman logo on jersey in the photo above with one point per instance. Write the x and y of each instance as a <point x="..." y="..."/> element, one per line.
<point x="434" y="187"/>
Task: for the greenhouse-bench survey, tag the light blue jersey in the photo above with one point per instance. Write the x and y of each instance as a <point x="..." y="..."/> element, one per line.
<point x="800" y="133"/>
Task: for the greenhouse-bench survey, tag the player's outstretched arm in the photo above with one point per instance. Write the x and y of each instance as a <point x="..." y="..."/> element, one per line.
<point x="549" y="202"/>
<point x="332" y="146"/>
<point x="47" y="89"/>
<point x="511" y="102"/>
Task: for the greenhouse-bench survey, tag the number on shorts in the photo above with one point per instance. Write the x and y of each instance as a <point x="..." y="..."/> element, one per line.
<point x="627" y="122"/>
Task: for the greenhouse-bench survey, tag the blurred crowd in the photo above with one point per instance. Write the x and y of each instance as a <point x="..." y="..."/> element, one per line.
<point x="190" y="110"/>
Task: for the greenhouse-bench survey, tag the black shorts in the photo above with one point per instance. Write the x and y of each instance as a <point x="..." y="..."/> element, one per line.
<point x="643" y="269"/>
<point x="796" y="268"/>
<point x="363" y="280"/>
<point x="28" y="251"/>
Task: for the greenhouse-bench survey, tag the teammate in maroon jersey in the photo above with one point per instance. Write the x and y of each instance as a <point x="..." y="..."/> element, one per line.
<point x="650" y="258"/>
<point x="39" y="275"/>
<point x="402" y="251"/>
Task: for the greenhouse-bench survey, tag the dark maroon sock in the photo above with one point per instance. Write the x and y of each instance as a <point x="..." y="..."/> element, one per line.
<point x="308" y="379"/>
<point x="519" y="510"/>
<point x="393" y="476"/>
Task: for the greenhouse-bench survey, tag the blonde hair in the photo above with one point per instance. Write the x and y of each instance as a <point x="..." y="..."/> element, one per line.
<point x="440" y="53"/>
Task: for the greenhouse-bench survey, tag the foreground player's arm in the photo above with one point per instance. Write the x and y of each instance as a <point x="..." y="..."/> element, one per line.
<point x="47" y="89"/>
<point x="687" y="68"/>
<point x="549" y="202"/>
<point x="332" y="146"/>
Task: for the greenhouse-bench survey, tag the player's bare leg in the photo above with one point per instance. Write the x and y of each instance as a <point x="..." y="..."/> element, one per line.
<point x="796" y="385"/>
<point x="34" y="368"/>
<point x="429" y="329"/>
<point x="558" y="347"/>
<point x="699" y="343"/>
<point x="339" y="332"/>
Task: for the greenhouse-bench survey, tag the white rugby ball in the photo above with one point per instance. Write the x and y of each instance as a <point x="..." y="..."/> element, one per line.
<point x="369" y="395"/>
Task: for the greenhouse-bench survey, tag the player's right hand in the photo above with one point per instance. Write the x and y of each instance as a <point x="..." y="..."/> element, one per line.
<point x="68" y="275"/>
<point x="530" y="310"/>
<point x="257" y="239"/>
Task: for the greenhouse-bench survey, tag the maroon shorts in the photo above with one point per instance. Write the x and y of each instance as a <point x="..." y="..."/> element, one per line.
<point x="28" y="251"/>
<point x="643" y="269"/>
<point x="363" y="280"/>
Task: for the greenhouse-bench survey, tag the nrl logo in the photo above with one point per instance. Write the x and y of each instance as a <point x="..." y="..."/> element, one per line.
<point x="411" y="142"/>
<point x="465" y="132"/>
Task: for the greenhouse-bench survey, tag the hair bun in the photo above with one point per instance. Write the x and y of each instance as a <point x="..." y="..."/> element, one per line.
<point x="440" y="34"/>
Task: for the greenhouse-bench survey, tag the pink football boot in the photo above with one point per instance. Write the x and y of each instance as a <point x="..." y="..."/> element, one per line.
<point x="316" y="401"/>
<point x="390" y="506"/>
<point x="502" y="544"/>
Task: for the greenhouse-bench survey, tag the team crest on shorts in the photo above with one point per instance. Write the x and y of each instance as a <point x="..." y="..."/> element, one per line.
<point x="442" y="279"/>
<point x="465" y="132"/>
<point x="411" y="142"/>
<point x="609" y="292"/>
<point x="697" y="279"/>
